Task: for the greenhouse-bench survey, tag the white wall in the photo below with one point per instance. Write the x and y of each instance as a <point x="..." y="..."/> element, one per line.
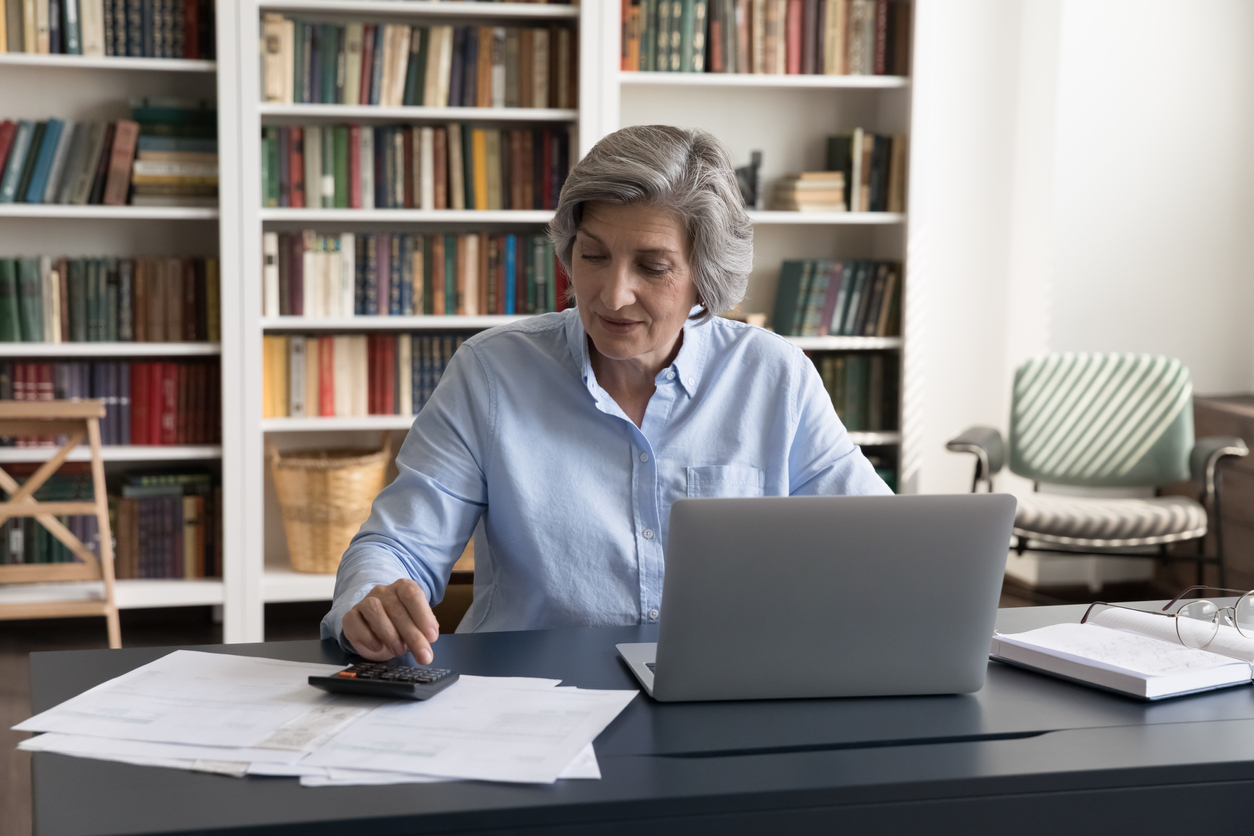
<point x="1154" y="221"/>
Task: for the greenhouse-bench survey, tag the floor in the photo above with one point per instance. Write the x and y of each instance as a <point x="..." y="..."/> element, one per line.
<point x="194" y="625"/>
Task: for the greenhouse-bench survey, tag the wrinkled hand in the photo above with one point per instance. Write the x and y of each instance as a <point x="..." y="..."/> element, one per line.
<point x="391" y="620"/>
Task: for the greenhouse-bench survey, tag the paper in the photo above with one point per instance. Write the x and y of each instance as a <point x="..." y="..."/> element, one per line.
<point x="211" y="699"/>
<point x="1227" y="642"/>
<point x="583" y="766"/>
<point x="85" y="746"/>
<point x="495" y="734"/>
<point x="1118" y="650"/>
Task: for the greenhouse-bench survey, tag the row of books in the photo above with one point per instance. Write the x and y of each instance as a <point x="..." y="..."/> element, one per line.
<point x="24" y="540"/>
<point x="450" y="166"/>
<point x="409" y="274"/>
<point x="781" y="37"/>
<point x="166" y="154"/>
<point x="863" y="387"/>
<point x="132" y="28"/>
<point x="853" y="297"/>
<point x="145" y="403"/>
<point x="394" y="65"/>
<point x="62" y="300"/>
<point x="168" y="526"/>
<point x="353" y="375"/>
<point x="874" y="169"/>
<point x="885" y="466"/>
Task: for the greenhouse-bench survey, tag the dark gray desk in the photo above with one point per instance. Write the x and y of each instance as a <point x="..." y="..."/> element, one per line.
<point x="1028" y="754"/>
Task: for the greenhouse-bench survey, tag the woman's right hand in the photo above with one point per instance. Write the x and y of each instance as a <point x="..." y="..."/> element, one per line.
<point x="391" y="620"/>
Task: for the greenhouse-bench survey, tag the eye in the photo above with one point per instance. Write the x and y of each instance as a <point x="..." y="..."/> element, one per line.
<point x="655" y="269"/>
<point x="591" y="257"/>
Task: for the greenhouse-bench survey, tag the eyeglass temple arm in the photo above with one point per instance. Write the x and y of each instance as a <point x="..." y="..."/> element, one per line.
<point x="1169" y="604"/>
<point x="1122" y="607"/>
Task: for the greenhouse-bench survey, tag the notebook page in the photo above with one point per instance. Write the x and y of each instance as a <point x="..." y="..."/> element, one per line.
<point x="1117" y="650"/>
<point x="1228" y="642"/>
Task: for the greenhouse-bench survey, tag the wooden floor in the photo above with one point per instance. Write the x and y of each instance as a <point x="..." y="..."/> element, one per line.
<point x="149" y="628"/>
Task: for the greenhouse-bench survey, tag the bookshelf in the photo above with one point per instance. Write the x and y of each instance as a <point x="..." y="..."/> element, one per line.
<point x="75" y="87"/>
<point x="262" y="572"/>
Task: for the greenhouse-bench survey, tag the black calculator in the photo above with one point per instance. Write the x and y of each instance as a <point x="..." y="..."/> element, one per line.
<point x="387" y="679"/>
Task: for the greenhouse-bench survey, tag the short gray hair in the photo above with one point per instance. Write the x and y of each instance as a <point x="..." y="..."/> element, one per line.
<point x="681" y="170"/>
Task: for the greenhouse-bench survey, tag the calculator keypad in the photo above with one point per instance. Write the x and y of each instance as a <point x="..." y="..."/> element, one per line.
<point x="384" y="672"/>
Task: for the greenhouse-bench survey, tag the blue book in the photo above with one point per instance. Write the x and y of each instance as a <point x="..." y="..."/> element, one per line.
<point x="17" y="161"/>
<point x="43" y="164"/>
<point x="376" y="75"/>
<point x="456" y="71"/>
<point x="469" y="58"/>
<point x="359" y="274"/>
<point x="69" y="27"/>
<point x="511" y="263"/>
<point x="407" y="275"/>
<point x="395" y="274"/>
<point x="177" y="143"/>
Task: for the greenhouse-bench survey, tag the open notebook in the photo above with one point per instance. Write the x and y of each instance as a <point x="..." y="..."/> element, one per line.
<point x="1130" y="652"/>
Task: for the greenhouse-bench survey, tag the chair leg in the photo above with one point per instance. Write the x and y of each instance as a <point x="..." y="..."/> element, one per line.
<point x="114" y="628"/>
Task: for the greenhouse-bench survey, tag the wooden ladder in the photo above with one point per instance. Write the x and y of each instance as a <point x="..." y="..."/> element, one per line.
<point x="73" y="419"/>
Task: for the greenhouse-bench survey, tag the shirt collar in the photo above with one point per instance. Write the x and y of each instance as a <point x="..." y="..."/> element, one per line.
<point x="688" y="364"/>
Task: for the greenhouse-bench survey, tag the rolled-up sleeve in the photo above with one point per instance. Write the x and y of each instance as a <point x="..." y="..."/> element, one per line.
<point x="419" y="524"/>
<point x="823" y="460"/>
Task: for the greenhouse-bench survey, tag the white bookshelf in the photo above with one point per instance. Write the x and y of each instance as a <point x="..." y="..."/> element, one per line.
<point x="263" y="571"/>
<point x="768" y="217"/>
<point x="72" y="87"/>
<point x="713" y="80"/>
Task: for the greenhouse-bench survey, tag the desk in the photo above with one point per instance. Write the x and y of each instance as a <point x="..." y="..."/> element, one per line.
<point x="1027" y="754"/>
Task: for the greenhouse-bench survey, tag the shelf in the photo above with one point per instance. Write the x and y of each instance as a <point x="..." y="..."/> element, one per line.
<point x="865" y="439"/>
<point x="149" y="213"/>
<point x="140" y="594"/>
<point x="82" y="62"/>
<point x="109" y="349"/>
<point x="450" y="216"/>
<point x="825" y="218"/>
<point x="353" y="422"/>
<point x="385" y="323"/>
<point x="117" y="453"/>
<point x="375" y="113"/>
<point x="854" y="82"/>
<point x="845" y="343"/>
<point x="281" y="583"/>
<point x="423" y="8"/>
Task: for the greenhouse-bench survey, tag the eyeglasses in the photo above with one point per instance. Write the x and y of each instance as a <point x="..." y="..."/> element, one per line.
<point x="1197" y="622"/>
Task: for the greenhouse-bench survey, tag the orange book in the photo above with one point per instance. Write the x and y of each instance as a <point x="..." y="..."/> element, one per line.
<point x="479" y="148"/>
<point x="439" y="168"/>
<point x="326" y="376"/>
<point x="483" y="72"/>
<point x="437" y="274"/>
<point x="118" y="185"/>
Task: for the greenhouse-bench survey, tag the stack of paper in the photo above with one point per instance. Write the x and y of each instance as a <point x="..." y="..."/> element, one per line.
<point x="240" y="715"/>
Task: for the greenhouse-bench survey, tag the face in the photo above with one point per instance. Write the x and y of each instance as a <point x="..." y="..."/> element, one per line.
<point x="633" y="282"/>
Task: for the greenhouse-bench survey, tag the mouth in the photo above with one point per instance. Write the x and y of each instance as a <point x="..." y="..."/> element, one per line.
<point x="617" y="326"/>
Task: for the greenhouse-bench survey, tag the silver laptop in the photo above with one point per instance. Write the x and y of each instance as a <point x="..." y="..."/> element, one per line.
<point x="841" y="596"/>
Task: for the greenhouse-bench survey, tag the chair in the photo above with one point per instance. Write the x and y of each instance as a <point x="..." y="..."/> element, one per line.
<point x="1107" y="421"/>
<point x="73" y="419"/>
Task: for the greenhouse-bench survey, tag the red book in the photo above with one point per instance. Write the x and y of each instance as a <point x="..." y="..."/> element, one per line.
<point x="407" y="144"/>
<point x="156" y="397"/>
<point x="326" y="377"/>
<point x="8" y="128"/>
<point x="169" y="402"/>
<point x="792" y="32"/>
<point x="118" y="185"/>
<point x="387" y="374"/>
<point x="560" y="283"/>
<point x="354" y="166"/>
<point x="879" y="62"/>
<point x="191" y="29"/>
<point x="367" y="64"/>
<point x="297" y="177"/>
<point x="181" y="412"/>
<point x="139" y="403"/>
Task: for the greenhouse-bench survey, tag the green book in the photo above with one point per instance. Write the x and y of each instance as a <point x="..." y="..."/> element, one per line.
<point x="30" y="305"/>
<point x="450" y="274"/>
<point x="10" y="319"/>
<point x="329" y="44"/>
<point x="93" y="300"/>
<point x="663" y="58"/>
<point x="788" y="296"/>
<point x="110" y="318"/>
<point x="857" y="371"/>
<point x="550" y="275"/>
<point x="699" y="12"/>
<point x="531" y="275"/>
<point x="32" y="157"/>
<point x="416" y="72"/>
<point x="468" y="166"/>
<point x="18" y="153"/>
<point x="341" y="166"/>
<point x="648" y="36"/>
<point x="269" y="176"/>
<point x="687" y="20"/>
<point x="860" y="273"/>
<point x="328" y="168"/>
<point x="428" y="289"/>
<point x="298" y="63"/>
<point x="76" y="287"/>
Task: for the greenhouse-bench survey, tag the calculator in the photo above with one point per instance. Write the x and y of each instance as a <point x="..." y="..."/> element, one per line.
<point x="387" y="679"/>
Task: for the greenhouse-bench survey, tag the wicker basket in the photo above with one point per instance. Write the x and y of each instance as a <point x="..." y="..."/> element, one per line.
<point x="325" y="496"/>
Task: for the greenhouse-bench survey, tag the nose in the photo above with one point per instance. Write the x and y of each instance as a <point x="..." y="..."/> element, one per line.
<point x="619" y="290"/>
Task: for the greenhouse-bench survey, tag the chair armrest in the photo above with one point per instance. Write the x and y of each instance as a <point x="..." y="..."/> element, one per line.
<point x="986" y="445"/>
<point x="1206" y="455"/>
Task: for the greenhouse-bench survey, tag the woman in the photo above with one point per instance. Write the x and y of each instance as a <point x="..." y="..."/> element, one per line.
<point x="561" y="442"/>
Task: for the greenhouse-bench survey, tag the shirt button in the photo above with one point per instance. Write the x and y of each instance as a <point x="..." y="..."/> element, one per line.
<point x="670" y="375"/>
<point x="648" y="534"/>
<point x="692" y="381"/>
<point x="653" y="615"/>
<point x="644" y="457"/>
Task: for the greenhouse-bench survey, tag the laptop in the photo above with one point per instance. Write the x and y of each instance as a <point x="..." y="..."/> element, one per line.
<point x="837" y="596"/>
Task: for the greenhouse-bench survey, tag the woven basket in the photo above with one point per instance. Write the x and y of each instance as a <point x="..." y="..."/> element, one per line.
<point x="325" y="496"/>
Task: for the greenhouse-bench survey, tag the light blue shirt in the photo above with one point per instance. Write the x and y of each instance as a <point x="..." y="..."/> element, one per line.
<point x="568" y="499"/>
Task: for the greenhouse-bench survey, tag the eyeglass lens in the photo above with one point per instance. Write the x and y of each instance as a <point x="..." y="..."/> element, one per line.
<point x="1244" y="615"/>
<point x="1198" y="621"/>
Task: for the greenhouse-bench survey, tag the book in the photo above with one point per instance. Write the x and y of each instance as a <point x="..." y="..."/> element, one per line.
<point x="1137" y="654"/>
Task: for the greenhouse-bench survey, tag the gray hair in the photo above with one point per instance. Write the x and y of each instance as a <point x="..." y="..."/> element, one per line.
<point x="684" y="171"/>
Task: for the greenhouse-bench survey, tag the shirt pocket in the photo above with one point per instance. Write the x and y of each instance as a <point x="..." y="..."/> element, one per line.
<point x="725" y="480"/>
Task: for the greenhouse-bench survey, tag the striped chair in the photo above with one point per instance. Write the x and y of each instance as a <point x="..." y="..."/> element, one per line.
<point x="1106" y="421"/>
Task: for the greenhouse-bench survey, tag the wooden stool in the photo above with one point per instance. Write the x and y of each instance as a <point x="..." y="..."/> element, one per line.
<point x="73" y="419"/>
